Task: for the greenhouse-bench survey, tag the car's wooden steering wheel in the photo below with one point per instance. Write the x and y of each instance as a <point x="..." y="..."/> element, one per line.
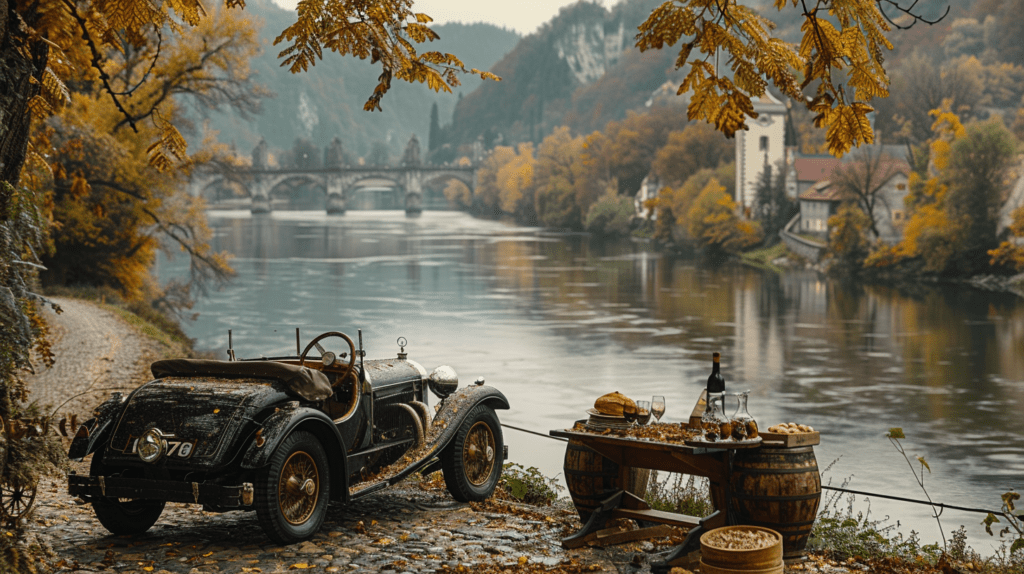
<point x="331" y="359"/>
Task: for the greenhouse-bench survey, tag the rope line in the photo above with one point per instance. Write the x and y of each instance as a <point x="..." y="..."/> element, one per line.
<point x="835" y="488"/>
<point x="534" y="432"/>
<point x="924" y="502"/>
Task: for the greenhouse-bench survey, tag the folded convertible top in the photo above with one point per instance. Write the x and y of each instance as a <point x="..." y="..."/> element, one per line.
<point x="307" y="383"/>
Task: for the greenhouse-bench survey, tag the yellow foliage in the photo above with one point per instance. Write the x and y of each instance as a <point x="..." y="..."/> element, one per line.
<point x="727" y="31"/>
<point x="458" y="194"/>
<point x="713" y="223"/>
<point x="1011" y="253"/>
<point x="514" y="180"/>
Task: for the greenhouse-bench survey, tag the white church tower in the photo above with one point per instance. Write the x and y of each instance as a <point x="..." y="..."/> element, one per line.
<point x="763" y="144"/>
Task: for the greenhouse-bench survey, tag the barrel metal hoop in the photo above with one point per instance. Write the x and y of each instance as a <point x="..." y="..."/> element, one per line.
<point x="766" y="498"/>
<point x="745" y="470"/>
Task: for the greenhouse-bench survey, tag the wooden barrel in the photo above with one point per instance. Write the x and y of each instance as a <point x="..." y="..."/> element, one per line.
<point x="592" y="478"/>
<point x="778" y="488"/>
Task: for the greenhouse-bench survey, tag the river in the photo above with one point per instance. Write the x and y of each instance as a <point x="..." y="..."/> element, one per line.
<point x="555" y="320"/>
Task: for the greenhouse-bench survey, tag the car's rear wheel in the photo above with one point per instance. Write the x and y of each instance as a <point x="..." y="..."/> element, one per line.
<point x="123" y="515"/>
<point x="472" y="462"/>
<point x="292" y="492"/>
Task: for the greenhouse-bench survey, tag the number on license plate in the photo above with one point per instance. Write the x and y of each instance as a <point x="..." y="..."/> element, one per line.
<point x="178" y="448"/>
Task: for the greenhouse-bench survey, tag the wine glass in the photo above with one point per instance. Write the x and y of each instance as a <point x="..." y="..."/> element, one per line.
<point x="643" y="412"/>
<point x="657" y="406"/>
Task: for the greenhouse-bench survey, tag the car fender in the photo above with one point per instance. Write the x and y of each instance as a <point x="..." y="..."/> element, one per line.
<point x="286" y="420"/>
<point x="450" y="415"/>
<point x="455" y="409"/>
<point x="94" y="433"/>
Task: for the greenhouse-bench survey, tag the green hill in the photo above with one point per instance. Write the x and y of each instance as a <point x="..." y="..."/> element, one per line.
<point x="327" y="100"/>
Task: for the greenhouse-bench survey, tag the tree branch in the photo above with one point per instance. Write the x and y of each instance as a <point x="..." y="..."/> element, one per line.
<point x="97" y="62"/>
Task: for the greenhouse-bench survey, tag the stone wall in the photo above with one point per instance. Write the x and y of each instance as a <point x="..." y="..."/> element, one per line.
<point x="810" y="250"/>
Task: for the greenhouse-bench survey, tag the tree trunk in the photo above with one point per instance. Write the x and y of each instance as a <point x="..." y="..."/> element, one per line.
<point x="16" y="89"/>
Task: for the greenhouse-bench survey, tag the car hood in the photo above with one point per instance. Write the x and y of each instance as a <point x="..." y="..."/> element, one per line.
<point x="208" y="413"/>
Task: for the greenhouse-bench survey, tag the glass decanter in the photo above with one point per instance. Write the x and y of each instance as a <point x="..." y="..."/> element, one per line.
<point x="716" y="425"/>
<point x="743" y="424"/>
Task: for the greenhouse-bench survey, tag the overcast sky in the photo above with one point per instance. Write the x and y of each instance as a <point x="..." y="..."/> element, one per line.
<point x="523" y="16"/>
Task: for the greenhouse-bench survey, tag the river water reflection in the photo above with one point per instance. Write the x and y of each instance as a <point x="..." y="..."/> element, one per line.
<point x="556" y="320"/>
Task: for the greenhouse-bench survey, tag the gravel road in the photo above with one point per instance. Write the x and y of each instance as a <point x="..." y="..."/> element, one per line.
<point x="97" y="352"/>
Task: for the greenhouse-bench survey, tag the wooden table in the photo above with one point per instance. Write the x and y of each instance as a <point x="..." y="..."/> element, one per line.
<point x="629" y="453"/>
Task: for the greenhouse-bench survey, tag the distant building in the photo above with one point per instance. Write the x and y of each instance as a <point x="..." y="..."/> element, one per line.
<point x="822" y="200"/>
<point x="649" y="189"/>
<point x="817" y="204"/>
<point x="762" y="145"/>
<point x="808" y="170"/>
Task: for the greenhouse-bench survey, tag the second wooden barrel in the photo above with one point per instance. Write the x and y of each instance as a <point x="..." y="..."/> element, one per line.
<point x="592" y="478"/>
<point x="778" y="488"/>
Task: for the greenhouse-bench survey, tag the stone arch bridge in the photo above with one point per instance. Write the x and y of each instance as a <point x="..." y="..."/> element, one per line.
<point x="337" y="182"/>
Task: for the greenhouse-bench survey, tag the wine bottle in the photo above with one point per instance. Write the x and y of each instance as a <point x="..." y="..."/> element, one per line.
<point x="716" y="384"/>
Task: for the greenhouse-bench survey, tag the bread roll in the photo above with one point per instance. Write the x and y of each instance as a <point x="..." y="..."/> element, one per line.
<point x="614" y="404"/>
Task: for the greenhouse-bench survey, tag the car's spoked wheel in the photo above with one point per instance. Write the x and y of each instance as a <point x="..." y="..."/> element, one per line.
<point x="478" y="453"/>
<point x="472" y="461"/>
<point x="123" y="515"/>
<point x="298" y="488"/>
<point x="292" y="491"/>
<point x="16" y="501"/>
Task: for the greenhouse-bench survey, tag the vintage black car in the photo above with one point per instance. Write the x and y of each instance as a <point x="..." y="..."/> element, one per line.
<point x="284" y="436"/>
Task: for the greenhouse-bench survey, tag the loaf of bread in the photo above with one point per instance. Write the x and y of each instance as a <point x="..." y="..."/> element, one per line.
<point x="614" y="404"/>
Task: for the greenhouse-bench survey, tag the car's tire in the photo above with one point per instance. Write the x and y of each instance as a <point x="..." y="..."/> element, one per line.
<point x="292" y="492"/>
<point x="472" y="462"/>
<point x="122" y="516"/>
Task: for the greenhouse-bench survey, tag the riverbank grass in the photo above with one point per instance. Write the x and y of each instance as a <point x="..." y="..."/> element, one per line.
<point x="764" y="257"/>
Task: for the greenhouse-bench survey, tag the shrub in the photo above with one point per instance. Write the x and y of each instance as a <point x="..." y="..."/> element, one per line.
<point x="528" y="485"/>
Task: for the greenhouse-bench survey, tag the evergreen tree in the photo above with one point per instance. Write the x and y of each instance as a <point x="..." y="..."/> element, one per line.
<point x="433" y="141"/>
<point x="771" y="206"/>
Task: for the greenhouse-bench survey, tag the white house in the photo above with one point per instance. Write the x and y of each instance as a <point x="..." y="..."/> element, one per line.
<point x="762" y="145"/>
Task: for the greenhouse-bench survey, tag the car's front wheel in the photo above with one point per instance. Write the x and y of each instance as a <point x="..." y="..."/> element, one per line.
<point x="292" y="492"/>
<point x="122" y="515"/>
<point x="472" y="462"/>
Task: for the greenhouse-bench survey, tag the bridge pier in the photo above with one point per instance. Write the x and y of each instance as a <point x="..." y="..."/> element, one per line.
<point x="335" y="204"/>
<point x="260" y="204"/>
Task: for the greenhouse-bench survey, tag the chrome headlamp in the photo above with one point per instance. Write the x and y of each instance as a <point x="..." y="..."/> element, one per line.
<point x="152" y="446"/>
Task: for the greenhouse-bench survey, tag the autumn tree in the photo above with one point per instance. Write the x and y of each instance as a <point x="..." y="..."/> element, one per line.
<point x="611" y="215"/>
<point x="487" y="192"/>
<point x="1010" y="253"/>
<point x="695" y="147"/>
<point x="558" y="177"/>
<point x="976" y="178"/>
<point x="515" y="185"/>
<point x="634" y="142"/>
<point x="862" y="181"/>
<point x="923" y="83"/>
<point x="674" y="202"/>
<point x="458" y="194"/>
<point x="848" y="245"/>
<point x="115" y="199"/>
<point x="712" y="222"/>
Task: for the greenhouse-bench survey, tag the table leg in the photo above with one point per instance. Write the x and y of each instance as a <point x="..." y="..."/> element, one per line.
<point x="691" y="543"/>
<point x="597" y="521"/>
